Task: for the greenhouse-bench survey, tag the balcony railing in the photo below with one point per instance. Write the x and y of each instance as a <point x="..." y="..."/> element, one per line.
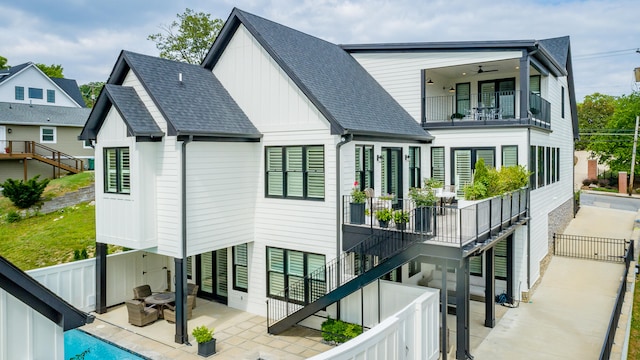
<point x="486" y="108"/>
<point x="452" y="225"/>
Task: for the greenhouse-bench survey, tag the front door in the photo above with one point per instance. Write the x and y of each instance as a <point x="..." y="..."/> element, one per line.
<point x="391" y="173"/>
<point x="212" y="275"/>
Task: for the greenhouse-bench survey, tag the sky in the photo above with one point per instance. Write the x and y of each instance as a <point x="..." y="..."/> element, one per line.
<point x="85" y="37"/>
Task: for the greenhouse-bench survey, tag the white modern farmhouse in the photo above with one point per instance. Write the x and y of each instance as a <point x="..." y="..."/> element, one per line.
<point x="237" y="175"/>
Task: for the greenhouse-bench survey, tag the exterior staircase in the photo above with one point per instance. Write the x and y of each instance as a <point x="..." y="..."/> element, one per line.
<point x="28" y="150"/>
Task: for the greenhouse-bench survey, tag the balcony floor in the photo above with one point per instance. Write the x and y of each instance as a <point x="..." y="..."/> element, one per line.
<point x="239" y="334"/>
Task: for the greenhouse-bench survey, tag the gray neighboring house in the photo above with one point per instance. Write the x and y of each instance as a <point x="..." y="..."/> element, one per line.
<point x="40" y="119"/>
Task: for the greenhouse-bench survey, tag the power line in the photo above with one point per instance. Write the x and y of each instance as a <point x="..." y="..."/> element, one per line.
<point x="606" y="53"/>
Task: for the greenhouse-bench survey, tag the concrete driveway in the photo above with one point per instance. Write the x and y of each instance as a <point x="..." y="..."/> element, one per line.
<point x="568" y="315"/>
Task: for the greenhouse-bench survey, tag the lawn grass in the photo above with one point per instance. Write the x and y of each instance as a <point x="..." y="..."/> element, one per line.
<point x="634" y="337"/>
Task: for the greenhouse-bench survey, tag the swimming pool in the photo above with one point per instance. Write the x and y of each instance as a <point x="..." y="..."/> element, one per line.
<point x="78" y="343"/>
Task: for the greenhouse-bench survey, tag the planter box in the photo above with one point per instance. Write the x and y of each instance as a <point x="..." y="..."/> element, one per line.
<point x="423" y="219"/>
<point x="356" y="213"/>
<point x="207" y="349"/>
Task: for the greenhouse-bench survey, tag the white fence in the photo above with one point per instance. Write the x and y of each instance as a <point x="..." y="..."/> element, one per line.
<point x="75" y="282"/>
<point x="411" y="333"/>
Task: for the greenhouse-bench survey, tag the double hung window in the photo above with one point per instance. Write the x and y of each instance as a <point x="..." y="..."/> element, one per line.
<point x="295" y="172"/>
<point x="117" y="176"/>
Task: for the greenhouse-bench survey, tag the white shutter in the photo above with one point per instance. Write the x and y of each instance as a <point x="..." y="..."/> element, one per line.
<point x="315" y="172"/>
<point x="462" y="164"/>
<point x="475" y="265"/>
<point x="437" y="164"/>
<point x="125" y="171"/>
<point x="274" y="171"/>
<point x="487" y="155"/>
<point x="509" y="156"/>
<point x="111" y="180"/>
<point x="294" y="171"/>
<point x="222" y="274"/>
<point x="275" y="266"/>
<point x="500" y="259"/>
<point x="240" y="257"/>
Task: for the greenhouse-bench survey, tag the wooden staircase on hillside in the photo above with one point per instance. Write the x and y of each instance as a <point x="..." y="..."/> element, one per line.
<point x="31" y="150"/>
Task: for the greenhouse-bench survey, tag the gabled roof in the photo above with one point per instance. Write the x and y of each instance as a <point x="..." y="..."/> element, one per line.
<point x="126" y="101"/>
<point x="344" y="92"/>
<point x="35" y="295"/>
<point x="70" y="86"/>
<point x="43" y="115"/>
<point x="189" y="97"/>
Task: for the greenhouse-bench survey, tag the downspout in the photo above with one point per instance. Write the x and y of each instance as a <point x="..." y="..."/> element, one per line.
<point x="181" y="264"/>
<point x="343" y="140"/>
<point x="529" y="222"/>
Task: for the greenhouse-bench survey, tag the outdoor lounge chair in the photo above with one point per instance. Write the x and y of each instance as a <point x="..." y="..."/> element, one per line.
<point x="170" y="311"/>
<point x="139" y="315"/>
<point x="141" y="292"/>
<point x="192" y="289"/>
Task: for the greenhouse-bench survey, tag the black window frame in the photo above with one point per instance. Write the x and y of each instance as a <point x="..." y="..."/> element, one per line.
<point x="415" y="172"/>
<point x="505" y="147"/>
<point x="236" y="265"/>
<point x="463" y="101"/>
<point x="562" y="102"/>
<point x="120" y="189"/>
<point x="361" y="175"/>
<point x="548" y="165"/>
<point x="286" y="284"/>
<point x="541" y="167"/>
<point x="414" y="267"/>
<point x="284" y="173"/>
<point x="533" y="167"/>
<point x="444" y="165"/>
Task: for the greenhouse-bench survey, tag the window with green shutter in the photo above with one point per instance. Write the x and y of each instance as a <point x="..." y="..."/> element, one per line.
<point x="414" y="167"/>
<point x="509" y="155"/>
<point x="240" y="268"/>
<point x="364" y="166"/>
<point x="288" y="269"/>
<point x="475" y="265"/>
<point x="500" y="260"/>
<point x="295" y="172"/>
<point x="117" y="170"/>
<point x="437" y="164"/>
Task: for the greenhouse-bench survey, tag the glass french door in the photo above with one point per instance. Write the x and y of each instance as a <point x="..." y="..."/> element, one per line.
<point x="498" y="95"/>
<point x="391" y="173"/>
<point x="212" y="275"/>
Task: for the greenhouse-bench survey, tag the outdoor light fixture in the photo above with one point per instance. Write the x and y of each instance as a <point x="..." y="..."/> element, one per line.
<point x="429" y="81"/>
<point x="452" y="90"/>
<point x="407" y="157"/>
<point x="379" y="158"/>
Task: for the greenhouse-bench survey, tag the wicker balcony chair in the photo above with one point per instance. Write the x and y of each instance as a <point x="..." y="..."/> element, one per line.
<point x="170" y="311"/>
<point x="139" y="315"/>
<point x="192" y="289"/>
<point x="141" y="292"/>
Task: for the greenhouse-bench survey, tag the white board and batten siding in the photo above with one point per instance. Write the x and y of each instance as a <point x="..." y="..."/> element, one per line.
<point x="25" y="333"/>
<point x="546" y="199"/>
<point x="285" y="117"/>
<point x="222" y="185"/>
<point x="399" y="73"/>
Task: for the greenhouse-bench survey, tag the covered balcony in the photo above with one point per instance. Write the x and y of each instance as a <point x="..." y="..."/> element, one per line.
<point x="495" y="93"/>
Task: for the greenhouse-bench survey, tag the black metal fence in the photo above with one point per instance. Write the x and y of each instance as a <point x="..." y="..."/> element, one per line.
<point x="589" y="247"/>
<point x="605" y="353"/>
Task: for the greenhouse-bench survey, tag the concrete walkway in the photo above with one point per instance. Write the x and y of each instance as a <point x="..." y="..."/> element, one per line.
<point x="570" y="311"/>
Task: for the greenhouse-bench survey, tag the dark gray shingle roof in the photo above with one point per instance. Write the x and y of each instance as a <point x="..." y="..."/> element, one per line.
<point x="25" y="114"/>
<point x="339" y="87"/>
<point x="12" y="71"/>
<point x="132" y="110"/>
<point x="70" y="86"/>
<point x="558" y="48"/>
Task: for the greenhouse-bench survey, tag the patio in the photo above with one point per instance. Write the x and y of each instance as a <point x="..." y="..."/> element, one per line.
<point x="240" y="335"/>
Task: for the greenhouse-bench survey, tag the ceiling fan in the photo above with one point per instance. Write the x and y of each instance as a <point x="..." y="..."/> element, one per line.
<point x="481" y="70"/>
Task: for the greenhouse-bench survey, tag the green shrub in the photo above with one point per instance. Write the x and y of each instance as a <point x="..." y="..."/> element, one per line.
<point x="80" y="254"/>
<point x="24" y="195"/>
<point x="13" y="216"/>
<point x="491" y="182"/>
<point x="202" y="334"/>
<point x="339" y="331"/>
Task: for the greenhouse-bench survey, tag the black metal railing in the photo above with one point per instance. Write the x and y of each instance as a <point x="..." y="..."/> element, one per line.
<point x="605" y="353"/>
<point x="488" y="107"/>
<point x="589" y="247"/>
<point x="355" y="262"/>
<point x="452" y="224"/>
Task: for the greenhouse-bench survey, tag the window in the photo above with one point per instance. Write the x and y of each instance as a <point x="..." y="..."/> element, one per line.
<point x="548" y="166"/>
<point x="47" y="135"/>
<point x="500" y="260"/>
<point x="288" y="268"/>
<point x="295" y="172"/>
<point x="189" y="267"/>
<point x="553" y="165"/>
<point x="532" y="167"/>
<point x="35" y="93"/>
<point x="464" y="163"/>
<point x="51" y="96"/>
<point x="475" y="265"/>
<point x="117" y="177"/>
<point x="414" y="267"/>
<point x="562" y="103"/>
<point x="509" y="155"/>
<point x="534" y="84"/>
<point x="437" y="164"/>
<point x="364" y="166"/>
<point x="86" y="144"/>
<point x="557" y="164"/>
<point x="463" y="98"/>
<point x="414" y="167"/>
<point x="541" y="166"/>
<point x="394" y="275"/>
<point x="240" y="268"/>
<point x="19" y="92"/>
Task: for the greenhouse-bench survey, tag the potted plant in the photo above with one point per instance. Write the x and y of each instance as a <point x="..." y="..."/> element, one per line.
<point x="401" y="218"/>
<point x="424" y="199"/>
<point x="205" y="340"/>
<point x="356" y="207"/>
<point x="384" y="216"/>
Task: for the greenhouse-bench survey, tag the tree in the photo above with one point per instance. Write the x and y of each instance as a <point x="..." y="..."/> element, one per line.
<point x="615" y="150"/>
<point x="53" y="70"/>
<point x="189" y="38"/>
<point x="593" y="114"/>
<point x="90" y="92"/>
<point x="3" y="63"/>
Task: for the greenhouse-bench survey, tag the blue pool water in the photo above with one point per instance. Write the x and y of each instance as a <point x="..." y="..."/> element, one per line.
<point x="77" y="342"/>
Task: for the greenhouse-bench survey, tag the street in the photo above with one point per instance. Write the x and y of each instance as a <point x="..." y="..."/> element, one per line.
<point x="610" y="201"/>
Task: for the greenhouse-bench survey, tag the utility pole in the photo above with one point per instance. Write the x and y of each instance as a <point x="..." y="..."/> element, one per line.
<point x="633" y="155"/>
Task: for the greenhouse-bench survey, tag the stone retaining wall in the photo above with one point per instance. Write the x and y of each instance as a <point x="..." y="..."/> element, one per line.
<point x="69" y="199"/>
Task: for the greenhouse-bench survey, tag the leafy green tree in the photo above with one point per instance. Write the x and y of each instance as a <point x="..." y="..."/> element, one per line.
<point x="593" y="115"/>
<point x="615" y="150"/>
<point x="91" y="91"/>
<point x="53" y="70"/>
<point x="189" y="38"/>
<point x="3" y="63"/>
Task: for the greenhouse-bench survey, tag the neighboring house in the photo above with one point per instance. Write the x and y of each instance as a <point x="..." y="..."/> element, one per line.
<point x="32" y="318"/>
<point x="239" y="170"/>
<point x="40" y="119"/>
